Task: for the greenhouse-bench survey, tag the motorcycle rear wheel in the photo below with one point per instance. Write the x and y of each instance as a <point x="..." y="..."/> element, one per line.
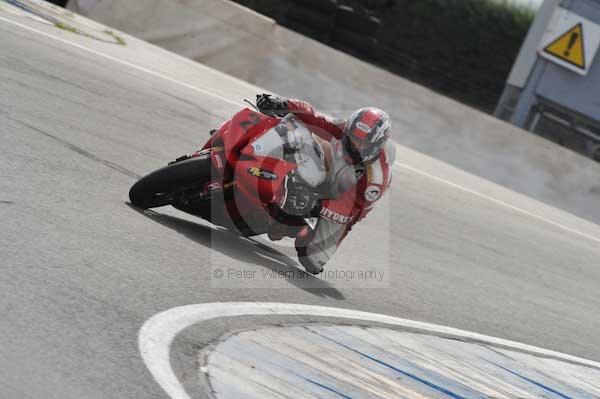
<point x="160" y="187"/>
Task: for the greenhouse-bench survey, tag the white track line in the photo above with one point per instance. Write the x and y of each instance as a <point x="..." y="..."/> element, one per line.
<point x="497" y="201"/>
<point x="157" y="334"/>
<point x="123" y="62"/>
<point x="229" y="101"/>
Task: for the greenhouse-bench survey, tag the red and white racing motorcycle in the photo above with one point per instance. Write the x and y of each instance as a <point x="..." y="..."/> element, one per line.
<point x="234" y="179"/>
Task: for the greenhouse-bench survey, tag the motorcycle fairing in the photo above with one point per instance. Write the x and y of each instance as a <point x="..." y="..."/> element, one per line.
<point x="254" y="154"/>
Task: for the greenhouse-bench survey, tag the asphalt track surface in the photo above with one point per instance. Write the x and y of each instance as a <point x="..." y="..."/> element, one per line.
<point x="81" y="271"/>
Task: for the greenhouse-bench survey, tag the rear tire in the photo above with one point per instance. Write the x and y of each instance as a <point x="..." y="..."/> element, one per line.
<point x="159" y="187"/>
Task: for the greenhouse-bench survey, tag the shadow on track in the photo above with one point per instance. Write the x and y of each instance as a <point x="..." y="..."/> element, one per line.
<point x="244" y="249"/>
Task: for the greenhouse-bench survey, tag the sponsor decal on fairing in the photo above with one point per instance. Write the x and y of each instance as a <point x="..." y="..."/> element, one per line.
<point x="219" y="161"/>
<point x="262" y="174"/>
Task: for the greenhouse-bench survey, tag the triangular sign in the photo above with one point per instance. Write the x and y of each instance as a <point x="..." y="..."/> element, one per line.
<point x="569" y="47"/>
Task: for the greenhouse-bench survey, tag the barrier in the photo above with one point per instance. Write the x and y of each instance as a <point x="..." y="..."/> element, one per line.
<point x="233" y="39"/>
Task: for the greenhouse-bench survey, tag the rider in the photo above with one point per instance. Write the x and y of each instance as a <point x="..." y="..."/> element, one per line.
<point x="358" y="159"/>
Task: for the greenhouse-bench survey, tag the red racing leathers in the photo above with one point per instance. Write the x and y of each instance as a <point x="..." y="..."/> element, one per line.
<point x="353" y="189"/>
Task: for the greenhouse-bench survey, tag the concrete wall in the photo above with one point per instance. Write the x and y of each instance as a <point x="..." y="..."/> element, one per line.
<point x="235" y="40"/>
<point x="211" y="32"/>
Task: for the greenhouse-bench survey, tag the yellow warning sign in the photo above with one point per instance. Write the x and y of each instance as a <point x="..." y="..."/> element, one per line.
<point x="569" y="47"/>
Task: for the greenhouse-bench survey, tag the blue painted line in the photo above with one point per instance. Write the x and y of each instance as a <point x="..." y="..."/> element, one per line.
<point x="30" y="10"/>
<point x="18" y="4"/>
<point x="326" y="387"/>
<point x="403" y="372"/>
<point x="538" y="384"/>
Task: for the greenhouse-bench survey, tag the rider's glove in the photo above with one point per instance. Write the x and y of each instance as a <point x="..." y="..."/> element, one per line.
<point x="271" y="105"/>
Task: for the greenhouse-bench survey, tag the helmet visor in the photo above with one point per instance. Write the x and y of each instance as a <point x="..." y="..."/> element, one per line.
<point x="360" y="150"/>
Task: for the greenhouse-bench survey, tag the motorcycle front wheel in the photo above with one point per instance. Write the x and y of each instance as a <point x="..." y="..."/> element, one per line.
<point x="160" y="187"/>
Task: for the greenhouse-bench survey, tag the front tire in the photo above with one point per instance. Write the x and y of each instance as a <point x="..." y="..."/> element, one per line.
<point x="159" y="187"/>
